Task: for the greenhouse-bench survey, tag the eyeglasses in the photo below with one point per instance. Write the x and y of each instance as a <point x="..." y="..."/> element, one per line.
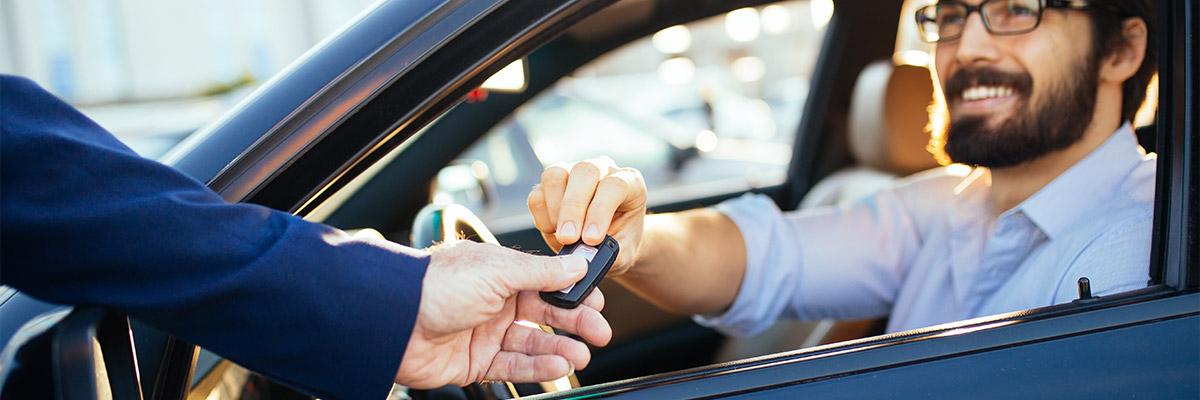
<point x="944" y="21"/>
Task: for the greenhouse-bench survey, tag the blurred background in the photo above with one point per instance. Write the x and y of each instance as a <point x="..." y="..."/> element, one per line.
<point x="153" y="71"/>
<point x="703" y="108"/>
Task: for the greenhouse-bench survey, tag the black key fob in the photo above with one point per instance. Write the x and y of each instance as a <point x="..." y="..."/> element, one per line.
<point x="600" y="259"/>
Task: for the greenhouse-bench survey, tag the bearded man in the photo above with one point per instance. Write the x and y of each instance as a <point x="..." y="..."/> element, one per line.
<point x="1059" y="190"/>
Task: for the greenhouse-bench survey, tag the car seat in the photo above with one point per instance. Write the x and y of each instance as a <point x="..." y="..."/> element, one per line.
<point x="888" y="138"/>
<point x="886" y="132"/>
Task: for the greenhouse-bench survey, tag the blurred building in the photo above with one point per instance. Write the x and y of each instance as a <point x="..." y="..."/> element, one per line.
<point x="107" y="51"/>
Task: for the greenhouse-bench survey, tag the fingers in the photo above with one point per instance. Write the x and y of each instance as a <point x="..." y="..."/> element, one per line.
<point x="541" y="212"/>
<point x="554" y="184"/>
<point x="533" y="341"/>
<point x="584" y="321"/>
<point x="621" y="190"/>
<point x="581" y="187"/>
<point x="541" y="273"/>
<point x="560" y="203"/>
<point x="595" y="300"/>
<point x="523" y="368"/>
<point x="551" y="240"/>
<point x="532" y="355"/>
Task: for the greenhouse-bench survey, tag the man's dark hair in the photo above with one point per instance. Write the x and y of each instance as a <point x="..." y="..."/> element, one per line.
<point x="1108" y="17"/>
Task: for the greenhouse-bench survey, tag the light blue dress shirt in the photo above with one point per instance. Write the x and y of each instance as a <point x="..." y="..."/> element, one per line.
<point x="930" y="251"/>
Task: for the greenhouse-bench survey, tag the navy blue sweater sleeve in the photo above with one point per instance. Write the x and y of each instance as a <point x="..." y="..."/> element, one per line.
<point x="86" y="221"/>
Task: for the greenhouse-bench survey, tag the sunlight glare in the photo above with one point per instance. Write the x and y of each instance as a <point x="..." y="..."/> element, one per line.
<point x="676" y="70"/>
<point x="674" y="40"/>
<point x="748" y="69"/>
<point x="706" y="141"/>
<point x="822" y="12"/>
<point x="742" y="25"/>
<point x="776" y="19"/>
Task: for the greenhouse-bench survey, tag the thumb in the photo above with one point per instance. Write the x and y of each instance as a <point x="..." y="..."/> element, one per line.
<point x="545" y="274"/>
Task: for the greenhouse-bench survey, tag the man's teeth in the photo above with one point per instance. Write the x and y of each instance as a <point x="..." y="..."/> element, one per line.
<point x="986" y="92"/>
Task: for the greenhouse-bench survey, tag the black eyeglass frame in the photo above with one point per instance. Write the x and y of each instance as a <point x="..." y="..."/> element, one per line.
<point x="1042" y="6"/>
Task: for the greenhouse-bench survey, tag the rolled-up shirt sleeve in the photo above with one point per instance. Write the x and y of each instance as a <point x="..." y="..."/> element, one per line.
<point x="831" y="262"/>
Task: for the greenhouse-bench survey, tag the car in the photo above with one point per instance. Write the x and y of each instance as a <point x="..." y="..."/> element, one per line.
<point x="354" y="133"/>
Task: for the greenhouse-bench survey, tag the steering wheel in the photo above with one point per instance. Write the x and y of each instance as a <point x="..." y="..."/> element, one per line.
<point x="436" y="223"/>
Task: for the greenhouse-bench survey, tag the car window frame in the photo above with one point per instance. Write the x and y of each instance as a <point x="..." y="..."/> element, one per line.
<point x="460" y="124"/>
<point x="1175" y="203"/>
<point x="1174" y="265"/>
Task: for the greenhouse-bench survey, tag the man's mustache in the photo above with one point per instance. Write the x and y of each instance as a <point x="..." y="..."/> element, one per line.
<point x="1021" y="83"/>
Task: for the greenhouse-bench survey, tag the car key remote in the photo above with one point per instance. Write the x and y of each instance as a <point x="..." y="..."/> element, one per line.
<point x="600" y="259"/>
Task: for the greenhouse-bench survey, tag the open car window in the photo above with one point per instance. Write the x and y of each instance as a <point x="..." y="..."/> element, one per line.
<point x="705" y="108"/>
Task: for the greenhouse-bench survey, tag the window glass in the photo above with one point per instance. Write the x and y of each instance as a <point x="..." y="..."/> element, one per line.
<point x="701" y="109"/>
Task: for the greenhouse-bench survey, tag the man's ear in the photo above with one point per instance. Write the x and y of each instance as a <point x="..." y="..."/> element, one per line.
<point x="1127" y="58"/>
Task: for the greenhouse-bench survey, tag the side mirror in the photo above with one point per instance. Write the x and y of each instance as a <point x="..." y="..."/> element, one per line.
<point x="512" y="79"/>
<point x="86" y="354"/>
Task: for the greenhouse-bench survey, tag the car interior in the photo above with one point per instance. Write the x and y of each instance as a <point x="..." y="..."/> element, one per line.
<point x="875" y="90"/>
<point x="847" y="116"/>
<point x="648" y="340"/>
<point x="873" y="132"/>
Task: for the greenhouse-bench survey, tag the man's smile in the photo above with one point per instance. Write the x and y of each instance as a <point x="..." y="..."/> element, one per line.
<point x="985" y="99"/>
<point x="986" y="92"/>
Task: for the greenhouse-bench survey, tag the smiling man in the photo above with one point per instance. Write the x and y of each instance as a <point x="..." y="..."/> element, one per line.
<point x="1036" y="96"/>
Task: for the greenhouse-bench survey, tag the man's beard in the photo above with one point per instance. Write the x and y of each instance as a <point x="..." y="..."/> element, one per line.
<point x="1033" y="130"/>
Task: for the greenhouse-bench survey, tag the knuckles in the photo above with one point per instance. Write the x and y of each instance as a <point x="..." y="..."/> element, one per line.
<point x="536" y="199"/>
<point x="615" y="183"/>
<point x="586" y="168"/>
<point x="555" y="174"/>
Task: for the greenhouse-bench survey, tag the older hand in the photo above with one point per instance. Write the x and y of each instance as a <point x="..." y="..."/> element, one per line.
<point x="587" y="200"/>
<point x="465" y="332"/>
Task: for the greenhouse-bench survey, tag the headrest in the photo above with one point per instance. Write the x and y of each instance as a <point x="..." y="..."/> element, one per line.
<point x="888" y="116"/>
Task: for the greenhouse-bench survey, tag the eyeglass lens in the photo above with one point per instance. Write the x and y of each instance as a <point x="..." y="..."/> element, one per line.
<point x="945" y="21"/>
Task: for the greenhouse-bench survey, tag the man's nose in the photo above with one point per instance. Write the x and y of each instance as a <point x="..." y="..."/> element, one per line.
<point x="976" y="44"/>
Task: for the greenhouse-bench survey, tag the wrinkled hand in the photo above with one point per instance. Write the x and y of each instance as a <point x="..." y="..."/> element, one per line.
<point x="465" y="331"/>
<point x="589" y="199"/>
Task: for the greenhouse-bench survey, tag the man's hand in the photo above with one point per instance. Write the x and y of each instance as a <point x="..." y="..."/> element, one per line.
<point x="587" y="200"/>
<point x="695" y="259"/>
<point x="465" y="331"/>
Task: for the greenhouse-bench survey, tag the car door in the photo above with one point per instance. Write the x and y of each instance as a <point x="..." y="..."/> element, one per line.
<point x="1015" y="340"/>
<point x="555" y="110"/>
<point x="345" y="104"/>
<point x="392" y="83"/>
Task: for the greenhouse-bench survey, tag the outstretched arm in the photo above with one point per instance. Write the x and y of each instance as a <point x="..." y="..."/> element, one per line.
<point x="88" y="221"/>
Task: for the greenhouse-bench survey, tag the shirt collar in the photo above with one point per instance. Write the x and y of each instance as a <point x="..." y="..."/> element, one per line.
<point x="1084" y="186"/>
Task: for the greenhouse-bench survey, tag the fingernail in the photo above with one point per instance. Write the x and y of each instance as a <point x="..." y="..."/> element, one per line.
<point x="573" y="263"/>
<point x="593" y="231"/>
<point x="567" y="229"/>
